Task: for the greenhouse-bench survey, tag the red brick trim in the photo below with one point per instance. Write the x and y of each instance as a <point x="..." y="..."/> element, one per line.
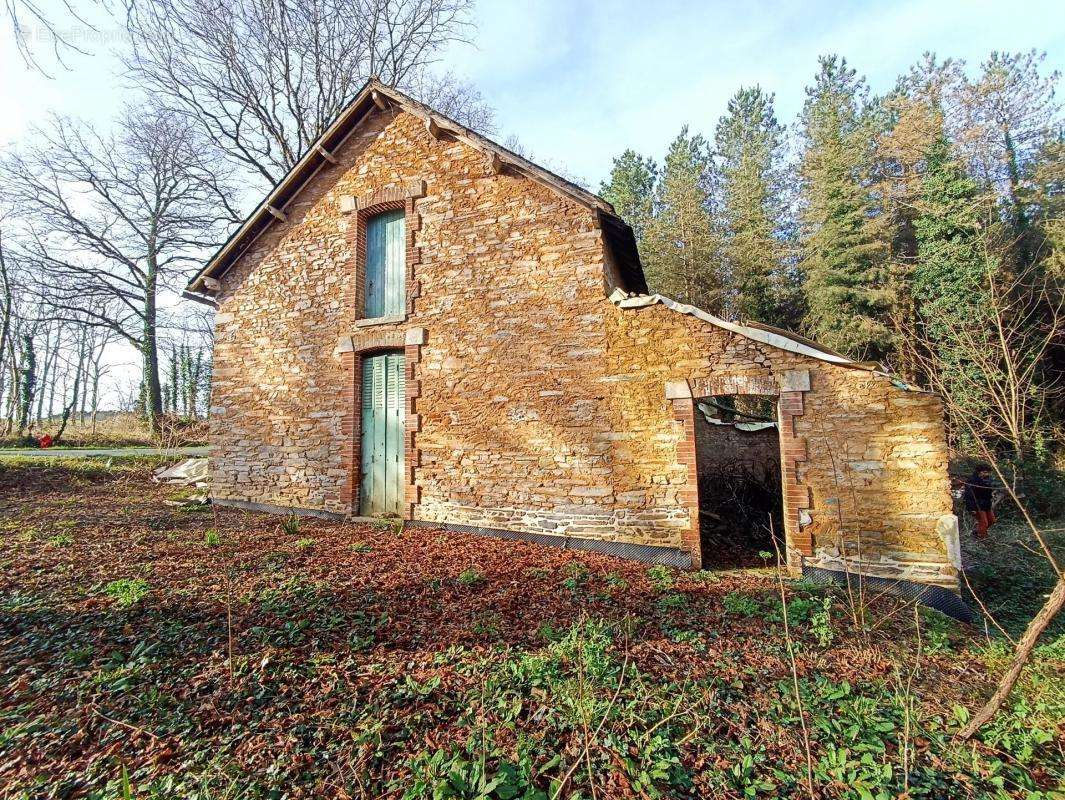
<point x="365" y="206"/>
<point x="684" y="415"/>
<point x="412" y="420"/>
<point x="410" y="342"/>
<point x="350" y="429"/>
<point x="792" y="454"/>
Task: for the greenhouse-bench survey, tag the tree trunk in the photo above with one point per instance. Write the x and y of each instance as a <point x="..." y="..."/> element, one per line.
<point x="29" y="383"/>
<point x="14" y="394"/>
<point x="84" y="349"/>
<point x="153" y="394"/>
<point x="96" y="386"/>
<point x="67" y="411"/>
<point x="5" y="324"/>
<point x="54" y="376"/>
<point x="45" y="373"/>
<point x="1024" y="650"/>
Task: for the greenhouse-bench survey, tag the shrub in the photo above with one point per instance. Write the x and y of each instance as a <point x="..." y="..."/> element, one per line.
<point x="470" y="577"/>
<point x="303" y="544"/>
<point x="61" y="540"/>
<point x="127" y="592"/>
<point x="291" y="525"/>
<point x="740" y="603"/>
<point x="211" y="538"/>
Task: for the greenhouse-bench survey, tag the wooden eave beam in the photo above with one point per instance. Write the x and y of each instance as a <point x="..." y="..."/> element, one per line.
<point x="277" y="213"/>
<point x="379" y="100"/>
<point x="494" y="162"/>
<point x="326" y="154"/>
<point x="434" y="129"/>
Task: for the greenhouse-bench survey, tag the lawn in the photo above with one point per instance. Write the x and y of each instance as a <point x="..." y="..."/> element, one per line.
<point x="151" y="651"/>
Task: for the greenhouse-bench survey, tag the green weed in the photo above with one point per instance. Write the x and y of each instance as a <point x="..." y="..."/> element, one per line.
<point x="470" y="577"/>
<point x="127" y="592"/>
<point x="661" y="577"/>
<point x="740" y="603"/>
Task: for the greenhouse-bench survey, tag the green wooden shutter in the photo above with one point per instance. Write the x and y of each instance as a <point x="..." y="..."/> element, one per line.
<point x="383" y="403"/>
<point x="386" y="264"/>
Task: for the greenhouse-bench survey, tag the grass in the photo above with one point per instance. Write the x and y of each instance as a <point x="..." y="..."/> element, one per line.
<point x="377" y="665"/>
<point x="1010" y="574"/>
<point x="113" y="430"/>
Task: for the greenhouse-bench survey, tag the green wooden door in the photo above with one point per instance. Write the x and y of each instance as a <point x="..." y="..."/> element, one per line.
<point x="383" y="396"/>
<point x="386" y="265"/>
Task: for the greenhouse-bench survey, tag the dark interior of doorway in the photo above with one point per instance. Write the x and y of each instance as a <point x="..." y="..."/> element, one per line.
<point x="737" y="452"/>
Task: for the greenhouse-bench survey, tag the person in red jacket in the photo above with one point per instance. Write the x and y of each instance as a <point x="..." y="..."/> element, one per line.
<point x="977" y="496"/>
<point x="45" y="440"/>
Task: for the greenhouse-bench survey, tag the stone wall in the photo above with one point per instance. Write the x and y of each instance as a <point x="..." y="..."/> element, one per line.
<point x="534" y="403"/>
<point x="864" y="461"/>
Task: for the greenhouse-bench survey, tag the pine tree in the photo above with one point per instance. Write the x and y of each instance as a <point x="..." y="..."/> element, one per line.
<point x="1009" y="113"/>
<point x="843" y="246"/>
<point x="914" y="123"/>
<point x="631" y="190"/>
<point x="949" y="282"/>
<point x="749" y="144"/>
<point x="682" y="251"/>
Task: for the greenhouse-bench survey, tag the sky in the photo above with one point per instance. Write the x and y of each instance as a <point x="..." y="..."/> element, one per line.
<point x="578" y="83"/>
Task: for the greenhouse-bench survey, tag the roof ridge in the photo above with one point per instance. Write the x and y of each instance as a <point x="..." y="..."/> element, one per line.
<point x="319" y="153"/>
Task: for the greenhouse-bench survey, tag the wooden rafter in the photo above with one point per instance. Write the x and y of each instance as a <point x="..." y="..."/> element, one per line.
<point x="326" y="154"/>
<point x="434" y="129"/>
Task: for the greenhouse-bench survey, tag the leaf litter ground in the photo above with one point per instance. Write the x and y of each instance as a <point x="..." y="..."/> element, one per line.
<point x="155" y="651"/>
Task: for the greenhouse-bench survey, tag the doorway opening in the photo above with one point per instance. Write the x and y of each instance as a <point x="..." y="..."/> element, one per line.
<point x="737" y="455"/>
<point x="383" y="393"/>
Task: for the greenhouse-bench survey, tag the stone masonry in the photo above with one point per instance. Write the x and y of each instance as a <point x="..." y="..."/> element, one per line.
<point x="535" y="403"/>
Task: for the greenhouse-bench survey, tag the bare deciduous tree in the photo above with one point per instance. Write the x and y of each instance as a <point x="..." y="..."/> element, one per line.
<point x="106" y="223"/>
<point x="32" y="24"/>
<point x="262" y="79"/>
<point x="1005" y="360"/>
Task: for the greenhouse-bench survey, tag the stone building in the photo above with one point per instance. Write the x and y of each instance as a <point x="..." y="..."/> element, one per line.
<point x="418" y="322"/>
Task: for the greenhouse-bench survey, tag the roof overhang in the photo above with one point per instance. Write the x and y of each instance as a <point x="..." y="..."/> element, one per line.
<point x="376" y="96"/>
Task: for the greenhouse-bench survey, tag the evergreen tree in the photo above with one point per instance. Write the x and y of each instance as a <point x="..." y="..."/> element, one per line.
<point x="749" y="144"/>
<point x="1008" y="114"/>
<point x="914" y="123"/>
<point x="844" y="246"/>
<point x="631" y="190"/>
<point x="682" y="251"/>
<point x="949" y="281"/>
